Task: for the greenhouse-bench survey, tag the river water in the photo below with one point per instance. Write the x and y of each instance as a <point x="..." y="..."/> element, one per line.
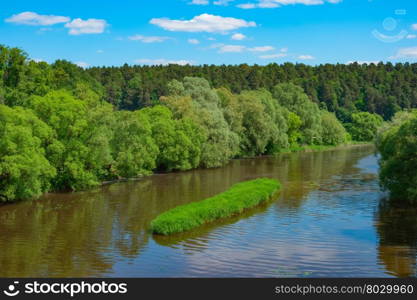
<point x="330" y="220"/>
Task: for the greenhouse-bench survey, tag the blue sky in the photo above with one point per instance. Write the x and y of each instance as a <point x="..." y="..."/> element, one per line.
<point x="95" y="33"/>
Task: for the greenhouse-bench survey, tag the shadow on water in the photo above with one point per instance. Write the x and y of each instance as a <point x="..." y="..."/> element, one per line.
<point x="397" y="231"/>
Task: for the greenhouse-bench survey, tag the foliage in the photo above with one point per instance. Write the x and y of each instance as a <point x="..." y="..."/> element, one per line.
<point x="179" y="141"/>
<point x="66" y="128"/>
<point x="332" y="131"/>
<point x="364" y="126"/>
<point x="344" y="89"/>
<point x="24" y="170"/>
<point x="133" y="147"/>
<point x="81" y="151"/>
<point x="239" y="197"/>
<point x="398" y="147"/>
<point x="201" y="104"/>
<point x="295" y="100"/>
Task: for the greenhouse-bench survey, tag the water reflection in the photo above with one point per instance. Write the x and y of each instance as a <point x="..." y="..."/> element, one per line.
<point x="327" y="205"/>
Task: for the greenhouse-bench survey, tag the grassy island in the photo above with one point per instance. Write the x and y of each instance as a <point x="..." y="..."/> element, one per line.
<point x="239" y="197"/>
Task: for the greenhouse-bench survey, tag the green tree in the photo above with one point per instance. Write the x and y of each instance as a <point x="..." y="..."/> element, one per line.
<point x="201" y="104"/>
<point x="179" y="141"/>
<point x="81" y="153"/>
<point x="295" y="100"/>
<point x="133" y="147"/>
<point x="24" y="170"/>
<point x="333" y="132"/>
<point x="398" y="148"/>
<point x="364" y="126"/>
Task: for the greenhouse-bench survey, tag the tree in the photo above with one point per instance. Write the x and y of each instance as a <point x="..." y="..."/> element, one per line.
<point x="25" y="171"/>
<point x="295" y="100"/>
<point x="133" y="147"/>
<point x="333" y="132"/>
<point x="398" y="147"/>
<point x="179" y="141"/>
<point x="364" y="126"/>
<point x="81" y="152"/>
<point x="200" y="104"/>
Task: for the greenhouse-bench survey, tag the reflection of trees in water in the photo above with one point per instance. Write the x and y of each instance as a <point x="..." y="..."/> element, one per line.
<point x="397" y="231"/>
<point x="305" y="172"/>
<point x="51" y="238"/>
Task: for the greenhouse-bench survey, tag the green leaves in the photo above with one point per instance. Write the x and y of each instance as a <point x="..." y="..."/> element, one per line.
<point x="24" y="170"/>
<point x="364" y="126"/>
<point x="397" y="143"/>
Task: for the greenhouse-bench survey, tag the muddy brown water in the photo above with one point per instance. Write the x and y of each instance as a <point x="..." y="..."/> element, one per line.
<point x="330" y="220"/>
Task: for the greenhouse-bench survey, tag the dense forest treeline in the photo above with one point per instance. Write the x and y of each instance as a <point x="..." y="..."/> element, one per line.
<point x="383" y="88"/>
<point x="66" y="128"/>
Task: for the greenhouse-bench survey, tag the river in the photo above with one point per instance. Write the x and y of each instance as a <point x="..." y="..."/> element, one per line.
<point x="330" y="220"/>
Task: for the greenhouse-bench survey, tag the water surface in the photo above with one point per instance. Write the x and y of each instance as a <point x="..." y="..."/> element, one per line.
<point x="330" y="220"/>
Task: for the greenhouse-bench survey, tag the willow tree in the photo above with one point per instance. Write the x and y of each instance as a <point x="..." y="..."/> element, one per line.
<point x="81" y="153"/>
<point x="25" y="172"/>
<point x="332" y="132"/>
<point x="134" y="150"/>
<point x="196" y="100"/>
<point x="179" y="141"/>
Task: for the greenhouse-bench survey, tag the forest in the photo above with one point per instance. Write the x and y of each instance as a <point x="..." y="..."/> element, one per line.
<point x="66" y="128"/>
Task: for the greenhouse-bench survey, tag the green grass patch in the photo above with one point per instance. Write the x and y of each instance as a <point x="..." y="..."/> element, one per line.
<point x="235" y="200"/>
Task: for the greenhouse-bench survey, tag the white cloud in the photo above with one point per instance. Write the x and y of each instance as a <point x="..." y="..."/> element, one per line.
<point x="90" y="26"/>
<point x="148" y="39"/>
<point x="261" y="49"/>
<point x="278" y="3"/>
<point x="34" y="19"/>
<point x="272" y="56"/>
<point x="247" y="5"/>
<point x="406" y="53"/>
<point x="222" y="2"/>
<point x="267" y="4"/>
<point x="199" y="2"/>
<point x="238" y="37"/>
<point x="231" y="48"/>
<point x="362" y="62"/>
<point x="203" y="23"/>
<point x="411" y="36"/>
<point x="162" y="61"/>
<point x="193" y="41"/>
<point x="100" y="51"/>
<point x="240" y="48"/>
<point x="414" y="26"/>
<point x="306" y="57"/>
<point x="82" y="64"/>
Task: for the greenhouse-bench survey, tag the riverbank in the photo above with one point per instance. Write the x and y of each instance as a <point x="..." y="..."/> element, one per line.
<point x="316" y="148"/>
<point x="307" y="148"/>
